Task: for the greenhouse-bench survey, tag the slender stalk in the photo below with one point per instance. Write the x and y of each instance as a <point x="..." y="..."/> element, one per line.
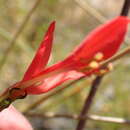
<point x="116" y="120"/>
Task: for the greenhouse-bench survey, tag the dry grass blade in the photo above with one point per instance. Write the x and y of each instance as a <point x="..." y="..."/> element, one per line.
<point x="17" y="34"/>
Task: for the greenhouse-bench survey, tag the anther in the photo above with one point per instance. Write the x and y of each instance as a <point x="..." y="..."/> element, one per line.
<point x="93" y="65"/>
<point x="98" y="56"/>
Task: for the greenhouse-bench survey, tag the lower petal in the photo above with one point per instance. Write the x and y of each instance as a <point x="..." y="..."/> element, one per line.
<point x="53" y="82"/>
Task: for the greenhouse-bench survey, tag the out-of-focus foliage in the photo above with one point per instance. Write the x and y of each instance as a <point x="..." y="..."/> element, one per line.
<point x="73" y="24"/>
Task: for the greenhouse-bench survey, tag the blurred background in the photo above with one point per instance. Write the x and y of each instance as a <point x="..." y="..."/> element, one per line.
<point x="74" y="20"/>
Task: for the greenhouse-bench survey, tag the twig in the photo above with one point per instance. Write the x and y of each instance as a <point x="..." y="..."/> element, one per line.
<point x="18" y="32"/>
<point x="76" y="117"/>
<point x="88" y="102"/>
<point x="125" y="8"/>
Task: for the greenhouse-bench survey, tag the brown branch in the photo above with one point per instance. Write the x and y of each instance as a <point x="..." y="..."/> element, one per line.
<point x="17" y="34"/>
<point x="125" y="8"/>
<point x="88" y="102"/>
<point x="76" y="117"/>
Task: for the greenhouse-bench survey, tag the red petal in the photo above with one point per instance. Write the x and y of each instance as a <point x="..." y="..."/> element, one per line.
<point x="42" y="56"/>
<point x="53" y="82"/>
<point x="106" y="39"/>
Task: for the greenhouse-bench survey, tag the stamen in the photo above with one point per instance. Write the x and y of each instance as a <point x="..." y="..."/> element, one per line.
<point x="98" y="56"/>
<point x="93" y="65"/>
<point x="105" y="70"/>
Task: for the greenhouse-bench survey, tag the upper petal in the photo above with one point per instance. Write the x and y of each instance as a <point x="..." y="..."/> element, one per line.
<point x="106" y="38"/>
<point x="42" y="55"/>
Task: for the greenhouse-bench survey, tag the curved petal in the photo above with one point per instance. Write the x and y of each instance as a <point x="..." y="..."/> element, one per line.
<point x="53" y="82"/>
<point x="106" y="39"/>
<point x="42" y="56"/>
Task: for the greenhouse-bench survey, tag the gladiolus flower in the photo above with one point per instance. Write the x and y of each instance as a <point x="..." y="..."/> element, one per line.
<point x="99" y="45"/>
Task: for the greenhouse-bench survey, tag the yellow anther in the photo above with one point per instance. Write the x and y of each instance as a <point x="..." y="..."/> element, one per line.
<point x="93" y="65"/>
<point x="98" y="56"/>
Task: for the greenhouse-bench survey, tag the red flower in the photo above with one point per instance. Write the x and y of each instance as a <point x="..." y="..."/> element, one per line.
<point x="104" y="40"/>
